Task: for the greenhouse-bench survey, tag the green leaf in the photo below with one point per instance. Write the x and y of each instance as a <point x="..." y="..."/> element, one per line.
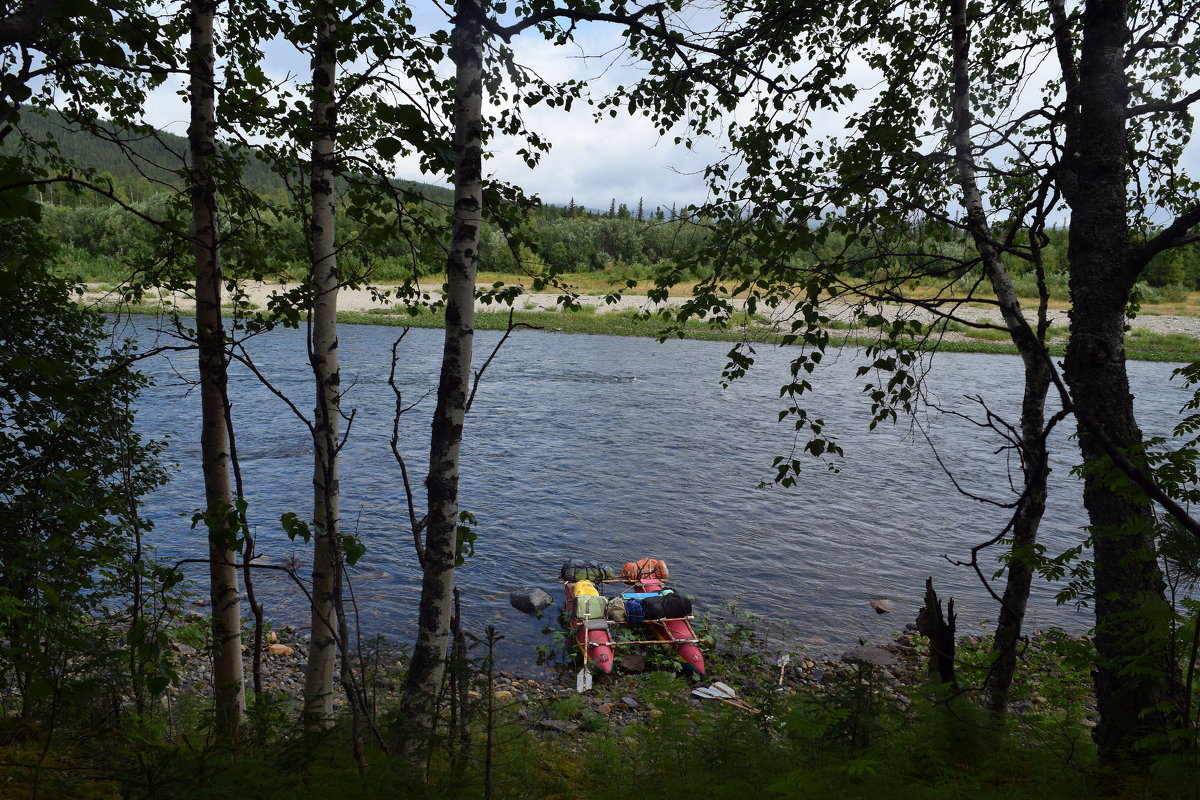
<point x="295" y="527"/>
<point x="388" y="146"/>
<point x="254" y="75"/>
<point x="353" y="548"/>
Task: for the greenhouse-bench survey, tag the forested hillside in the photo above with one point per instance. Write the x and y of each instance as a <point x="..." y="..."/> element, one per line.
<point x="143" y="164"/>
<point x="101" y="240"/>
<point x="628" y="241"/>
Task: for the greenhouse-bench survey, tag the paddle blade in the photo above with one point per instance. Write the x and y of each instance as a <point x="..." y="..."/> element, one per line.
<point x="724" y="688"/>
<point x="583" y="681"/>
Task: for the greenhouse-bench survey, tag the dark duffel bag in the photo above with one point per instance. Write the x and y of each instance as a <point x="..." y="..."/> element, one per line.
<point x="666" y="606"/>
<point x="579" y="570"/>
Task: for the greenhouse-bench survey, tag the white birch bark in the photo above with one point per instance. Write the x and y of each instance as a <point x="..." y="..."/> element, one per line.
<point x="323" y="352"/>
<point x="228" y="681"/>
<point x="437" y="585"/>
<point x="327" y="561"/>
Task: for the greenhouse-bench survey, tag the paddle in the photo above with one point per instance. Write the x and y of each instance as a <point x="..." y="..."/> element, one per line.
<point x="724" y="693"/>
<point x="710" y="694"/>
<point x="783" y="662"/>
<point x="727" y="690"/>
<point x="583" y="681"/>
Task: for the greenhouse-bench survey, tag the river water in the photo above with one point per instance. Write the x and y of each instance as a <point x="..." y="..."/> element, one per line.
<point x="620" y="448"/>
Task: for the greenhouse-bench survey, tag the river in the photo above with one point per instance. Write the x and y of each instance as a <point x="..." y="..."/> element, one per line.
<point x="620" y="448"/>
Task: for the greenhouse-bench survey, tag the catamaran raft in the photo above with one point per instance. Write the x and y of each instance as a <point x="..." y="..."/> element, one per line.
<point x="645" y="601"/>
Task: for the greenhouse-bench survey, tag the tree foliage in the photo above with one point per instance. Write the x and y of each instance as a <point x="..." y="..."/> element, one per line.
<point x="72" y="470"/>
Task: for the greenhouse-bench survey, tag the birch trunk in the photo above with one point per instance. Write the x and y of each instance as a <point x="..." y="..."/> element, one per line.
<point x="323" y="352"/>
<point x="228" y="682"/>
<point x="1030" y="345"/>
<point x="1136" y="690"/>
<point x="437" y="585"/>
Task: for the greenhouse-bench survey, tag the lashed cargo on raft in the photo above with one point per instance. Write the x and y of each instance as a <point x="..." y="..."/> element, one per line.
<point x="647" y="601"/>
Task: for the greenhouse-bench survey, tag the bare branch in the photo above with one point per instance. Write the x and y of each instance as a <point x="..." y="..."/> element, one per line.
<point x="416" y="525"/>
<point x="244" y="359"/>
<point x="507" y="332"/>
<point x="1177" y="234"/>
<point x="289" y="569"/>
<point x="1164" y="106"/>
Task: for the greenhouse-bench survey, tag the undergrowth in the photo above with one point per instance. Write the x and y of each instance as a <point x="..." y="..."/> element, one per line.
<point x="847" y="739"/>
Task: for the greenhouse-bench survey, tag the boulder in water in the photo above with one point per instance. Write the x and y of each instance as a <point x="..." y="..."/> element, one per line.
<point x="530" y="601"/>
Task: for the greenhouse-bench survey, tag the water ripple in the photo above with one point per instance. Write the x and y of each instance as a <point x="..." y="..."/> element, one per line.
<point x="635" y="450"/>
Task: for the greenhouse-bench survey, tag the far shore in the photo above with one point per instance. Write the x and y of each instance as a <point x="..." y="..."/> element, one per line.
<point x="1156" y="337"/>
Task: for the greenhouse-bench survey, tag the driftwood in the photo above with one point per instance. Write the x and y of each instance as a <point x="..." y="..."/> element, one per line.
<point x="940" y="632"/>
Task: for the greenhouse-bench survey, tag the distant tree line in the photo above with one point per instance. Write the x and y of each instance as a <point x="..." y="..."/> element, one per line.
<point x="98" y="239"/>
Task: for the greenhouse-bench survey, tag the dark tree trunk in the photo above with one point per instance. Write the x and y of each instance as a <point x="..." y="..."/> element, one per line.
<point x="1135" y="684"/>
<point x="939" y="629"/>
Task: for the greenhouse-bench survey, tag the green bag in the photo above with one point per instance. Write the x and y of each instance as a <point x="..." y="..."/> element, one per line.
<point x="590" y="607"/>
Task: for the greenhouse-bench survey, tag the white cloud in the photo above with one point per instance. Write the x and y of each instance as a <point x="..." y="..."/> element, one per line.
<point x="591" y="161"/>
<point x="595" y="161"/>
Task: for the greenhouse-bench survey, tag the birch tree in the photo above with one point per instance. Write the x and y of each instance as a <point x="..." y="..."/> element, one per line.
<point x="442" y="544"/>
<point x="1031" y="345"/>
<point x="342" y="130"/>
<point x="798" y="194"/>
<point x="220" y="517"/>
<point x="441" y="522"/>
<point x="323" y="346"/>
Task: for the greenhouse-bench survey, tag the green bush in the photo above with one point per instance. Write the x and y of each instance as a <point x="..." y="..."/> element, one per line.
<point x="72" y="470"/>
<point x="1056" y="284"/>
<point x="1146" y="294"/>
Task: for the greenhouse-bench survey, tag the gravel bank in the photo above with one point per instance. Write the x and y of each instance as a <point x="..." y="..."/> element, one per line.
<point x="892" y="669"/>
<point x="362" y="300"/>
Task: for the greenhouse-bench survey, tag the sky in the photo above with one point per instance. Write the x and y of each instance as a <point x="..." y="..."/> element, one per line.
<point x="597" y="161"/>
<point x="591" y="162"/>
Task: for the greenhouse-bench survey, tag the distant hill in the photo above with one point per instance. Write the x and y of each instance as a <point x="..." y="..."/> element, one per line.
<point x="157" y="157"/>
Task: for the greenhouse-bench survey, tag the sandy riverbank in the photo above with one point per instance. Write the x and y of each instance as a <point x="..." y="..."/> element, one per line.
<point x="363" y="300"/>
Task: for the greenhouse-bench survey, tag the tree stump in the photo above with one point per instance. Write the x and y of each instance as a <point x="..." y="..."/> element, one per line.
<point x="939" y="630"/>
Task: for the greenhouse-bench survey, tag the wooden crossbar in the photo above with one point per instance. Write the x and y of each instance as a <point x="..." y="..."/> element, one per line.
<point x="656" y="641"/>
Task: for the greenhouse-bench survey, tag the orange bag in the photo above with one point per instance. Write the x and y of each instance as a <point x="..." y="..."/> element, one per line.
<point x="645" y="568"/>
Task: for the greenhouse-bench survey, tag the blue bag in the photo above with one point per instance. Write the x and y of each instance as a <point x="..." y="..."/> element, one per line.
<point x="634" y="611"/>
<point x="642" y="595"/>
